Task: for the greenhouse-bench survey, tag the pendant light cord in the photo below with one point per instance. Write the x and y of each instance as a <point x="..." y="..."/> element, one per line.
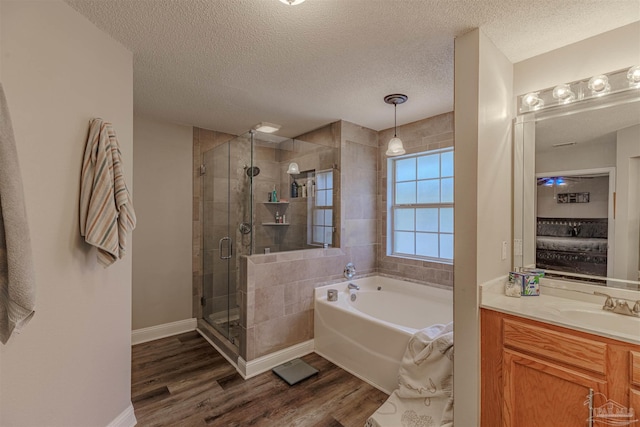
<point x="395" y="115"/>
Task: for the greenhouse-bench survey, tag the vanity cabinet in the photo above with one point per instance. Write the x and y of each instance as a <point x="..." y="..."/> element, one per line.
<point x="540" y="375"/>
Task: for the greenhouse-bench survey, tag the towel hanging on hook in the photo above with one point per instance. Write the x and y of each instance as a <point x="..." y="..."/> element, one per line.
<point x="106" y="209"/>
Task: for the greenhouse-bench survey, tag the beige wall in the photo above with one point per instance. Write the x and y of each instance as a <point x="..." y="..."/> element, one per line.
<point x="71" y="364"/>
<point x="483" y="81"/>
<point x="427" y="134"/>
<point x="162" y="253"/>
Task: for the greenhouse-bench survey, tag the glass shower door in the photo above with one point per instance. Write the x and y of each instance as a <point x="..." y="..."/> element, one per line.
<point x="227" y="231"/>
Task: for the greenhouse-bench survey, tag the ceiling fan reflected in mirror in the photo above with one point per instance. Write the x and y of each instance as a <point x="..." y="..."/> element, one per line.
<point x="559" y="181"/>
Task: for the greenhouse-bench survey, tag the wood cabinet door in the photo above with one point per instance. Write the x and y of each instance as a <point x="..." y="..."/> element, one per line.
<point x="542" y="394"/>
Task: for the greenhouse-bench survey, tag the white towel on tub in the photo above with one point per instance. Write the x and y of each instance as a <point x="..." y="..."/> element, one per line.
<point x="106" y="210"/>
<point x="425" y="383"/>
<point x="17" y="278"/>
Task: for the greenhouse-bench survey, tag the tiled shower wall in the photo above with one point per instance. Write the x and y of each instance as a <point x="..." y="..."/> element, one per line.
<point x="428" y="134"/>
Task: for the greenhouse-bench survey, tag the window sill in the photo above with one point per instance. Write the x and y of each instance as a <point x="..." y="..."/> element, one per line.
<point x="431" y="260"/>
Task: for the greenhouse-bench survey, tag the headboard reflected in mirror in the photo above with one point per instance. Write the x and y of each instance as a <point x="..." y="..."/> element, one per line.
<point x="577" y="180"/>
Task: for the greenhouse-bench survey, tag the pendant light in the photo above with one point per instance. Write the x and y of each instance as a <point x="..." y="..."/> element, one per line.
<point x="395" y="147"/>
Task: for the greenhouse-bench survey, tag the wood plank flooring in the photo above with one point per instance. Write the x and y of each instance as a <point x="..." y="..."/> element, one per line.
<point x="183" y="381"/>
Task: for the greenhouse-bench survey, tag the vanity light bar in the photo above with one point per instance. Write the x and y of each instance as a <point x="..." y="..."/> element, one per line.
<point x="623" y="80"/>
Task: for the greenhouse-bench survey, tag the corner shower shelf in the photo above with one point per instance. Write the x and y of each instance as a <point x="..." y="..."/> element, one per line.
<point x="275" y="223"/>
<point x="276" y="203"/>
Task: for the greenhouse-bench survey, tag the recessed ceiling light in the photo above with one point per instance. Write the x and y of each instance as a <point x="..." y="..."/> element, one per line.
<point x="292" y="2"/>
<point x="266" y="127"/>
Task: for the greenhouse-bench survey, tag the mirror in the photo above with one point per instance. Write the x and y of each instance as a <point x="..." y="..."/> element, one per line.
<point x="577" y="190"/>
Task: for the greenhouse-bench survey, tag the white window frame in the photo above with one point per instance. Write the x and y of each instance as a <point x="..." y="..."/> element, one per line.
<point x="313" y="207"/>
<point x="392" y="206"/>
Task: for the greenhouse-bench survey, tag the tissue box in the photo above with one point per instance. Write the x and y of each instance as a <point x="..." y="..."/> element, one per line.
<point x="523" y="284"/>
<point x="531" y="284"/>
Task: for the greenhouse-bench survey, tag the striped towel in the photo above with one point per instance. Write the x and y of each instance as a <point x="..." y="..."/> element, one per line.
<point x="106" y="211"/>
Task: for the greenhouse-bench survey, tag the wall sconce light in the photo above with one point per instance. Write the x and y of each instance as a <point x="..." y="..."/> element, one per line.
<point x="599" y="85"/>
<point x="395" y="147"/>
<point x="266" y="127"/>
<point x="293" y="169"/>
<point x="563" y="93"/>
<point x="633" y="76"/>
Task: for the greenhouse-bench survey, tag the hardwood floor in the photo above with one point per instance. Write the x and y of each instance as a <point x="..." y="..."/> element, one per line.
<point x="183" y="381"/>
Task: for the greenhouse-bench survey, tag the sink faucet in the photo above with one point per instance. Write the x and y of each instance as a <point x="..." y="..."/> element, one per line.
<point x="619" y="306"/>
<point x="353" y="286"/>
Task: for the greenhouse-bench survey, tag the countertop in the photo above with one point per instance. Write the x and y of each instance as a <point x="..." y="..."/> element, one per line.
<point x="567" y="304"/>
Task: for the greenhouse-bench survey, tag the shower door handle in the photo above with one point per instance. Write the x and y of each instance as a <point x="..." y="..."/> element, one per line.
<point x="230" y="247"/>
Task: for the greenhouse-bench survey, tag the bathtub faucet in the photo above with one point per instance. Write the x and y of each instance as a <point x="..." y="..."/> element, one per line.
<point x="352" y="286"/>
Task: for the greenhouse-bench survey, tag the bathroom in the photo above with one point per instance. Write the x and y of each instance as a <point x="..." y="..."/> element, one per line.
<point x="72" y="346"/>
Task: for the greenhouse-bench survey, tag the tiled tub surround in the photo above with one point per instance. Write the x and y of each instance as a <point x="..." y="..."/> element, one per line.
<point x="428" y="134"/>
<point x="277" y="297"/>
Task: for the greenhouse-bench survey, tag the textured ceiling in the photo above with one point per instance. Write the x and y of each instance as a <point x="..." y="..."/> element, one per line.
<point x="229" y="64"/>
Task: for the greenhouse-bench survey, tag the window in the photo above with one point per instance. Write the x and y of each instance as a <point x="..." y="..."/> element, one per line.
<point x="420" y="205"/>
<point x="321" y="230"/>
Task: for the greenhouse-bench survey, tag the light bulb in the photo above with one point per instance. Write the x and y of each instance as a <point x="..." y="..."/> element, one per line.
<point x="563" y="93"/>
<point x="633" y="75"/>
<point x="599" y="85"/>
<point x="532" y="100"/>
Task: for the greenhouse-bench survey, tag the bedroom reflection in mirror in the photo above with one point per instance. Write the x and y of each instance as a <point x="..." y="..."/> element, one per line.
<point x="572" y="226"/>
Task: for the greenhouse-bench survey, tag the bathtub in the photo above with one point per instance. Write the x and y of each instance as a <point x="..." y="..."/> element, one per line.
<point x="368" y="336"/>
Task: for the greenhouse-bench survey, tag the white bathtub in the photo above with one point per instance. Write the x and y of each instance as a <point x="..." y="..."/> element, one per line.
<point x="368" y="336"/>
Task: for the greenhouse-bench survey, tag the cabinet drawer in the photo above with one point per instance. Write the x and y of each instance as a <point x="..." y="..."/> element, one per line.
<point x="575" y="351"/>
<point x="635" y="368"/>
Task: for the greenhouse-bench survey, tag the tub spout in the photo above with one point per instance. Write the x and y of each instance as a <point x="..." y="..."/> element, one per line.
<point x="353" y="286"/>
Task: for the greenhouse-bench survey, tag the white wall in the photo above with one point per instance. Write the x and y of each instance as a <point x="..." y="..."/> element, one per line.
<point x="597" y="207"/>
<point x="162" y="254"/>
<point x="483" y="82"/>
<point x="71" y="365"/>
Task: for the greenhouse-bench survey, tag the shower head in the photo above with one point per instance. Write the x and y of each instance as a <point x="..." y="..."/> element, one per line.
<point x="252" y="171"/>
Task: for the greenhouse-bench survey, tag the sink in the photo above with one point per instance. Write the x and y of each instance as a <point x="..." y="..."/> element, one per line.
<point x="600" y="319"/>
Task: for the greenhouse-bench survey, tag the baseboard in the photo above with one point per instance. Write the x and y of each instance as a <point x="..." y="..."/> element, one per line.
<point x="270" y="361"/>
<point x="162" y="331"/>
<point x="126" y="419"/>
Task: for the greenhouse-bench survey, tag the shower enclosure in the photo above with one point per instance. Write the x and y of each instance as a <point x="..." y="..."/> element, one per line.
<point x="241" y="216"/>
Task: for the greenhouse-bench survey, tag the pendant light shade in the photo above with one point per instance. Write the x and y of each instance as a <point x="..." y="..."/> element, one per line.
<point x="293" y="169"/>
<point x="395" y="147"/>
